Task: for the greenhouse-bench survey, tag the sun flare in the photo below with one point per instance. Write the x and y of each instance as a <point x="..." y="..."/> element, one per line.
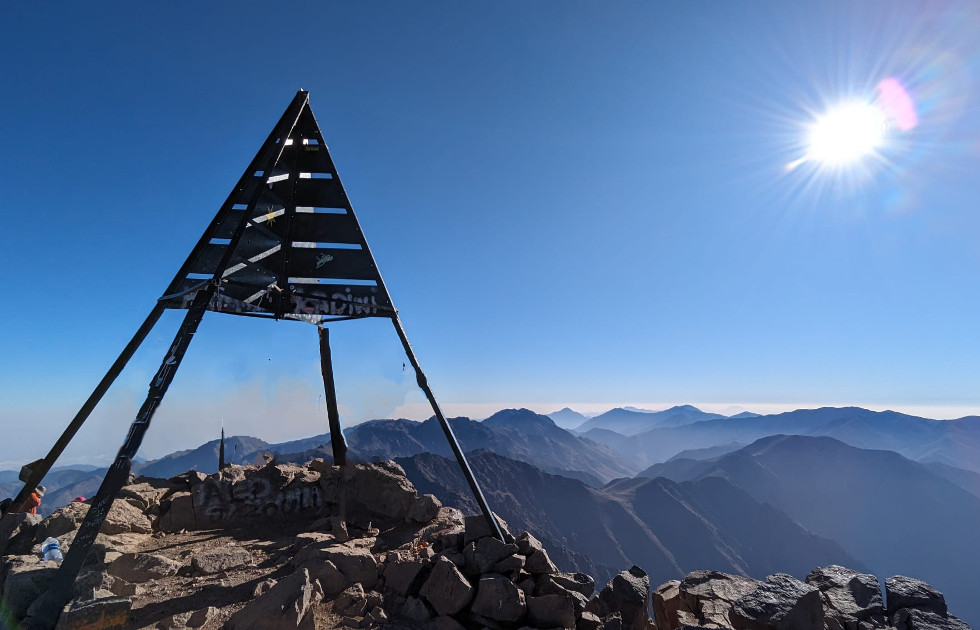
<point x="846" y="134"/>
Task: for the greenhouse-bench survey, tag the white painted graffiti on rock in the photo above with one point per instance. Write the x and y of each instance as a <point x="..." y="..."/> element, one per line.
<point x="255" y="498"/>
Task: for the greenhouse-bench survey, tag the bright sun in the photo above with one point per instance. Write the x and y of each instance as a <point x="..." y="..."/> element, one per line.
<point x="846" y="134"/>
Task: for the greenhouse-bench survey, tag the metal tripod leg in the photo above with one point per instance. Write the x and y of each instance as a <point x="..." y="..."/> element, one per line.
<point x="470" y="479"/>
<point x="48" y="607"/>
<point x="337" y="441"/>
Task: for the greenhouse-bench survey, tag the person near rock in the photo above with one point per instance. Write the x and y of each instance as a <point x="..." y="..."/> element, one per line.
<point x="33" y="502"/>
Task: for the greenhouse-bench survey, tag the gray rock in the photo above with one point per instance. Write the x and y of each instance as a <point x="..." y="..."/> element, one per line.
<point x="706" y="597"/>
<point x="509" y="564"/>
<point x="499" y="599"/>
<point x="357" y="564"/>
<point x="414" y="609"/>
<point x="178" y="513"/>
<point x="424" y="509"/>
<point x="105" y="612"/>
<point x="539" y="563"/>
<point x="144" y="496"/>
<point x="201" y="616"/>
<point x="220" y="559"/>
<point x="915" y="619"/>
<point x="476" y="527"/>
<point x="446" y="589"/>
<point x="382" y="489"/>
<point x="287" y="605"/>
<point x="612" y="621"/>
<point x="591" y="621"/>
<point x="528" y="544"/>
<point x="62" y="521"/>
<point x="331" y="579"/>
<point x="552" y="611"/>
<point x="309" y="538"/>
<point x="17" y="532"/>
<point x="351" y="601"/>
<point x="489" y="551"/>
<point x="848" y="596"/>
<point x="906" y="592"/>
<point x="666" y="602"/>
<point x="404" y="574"/>
<point x="142" y="567"/>
<point x="26" y="578"/>
<point x="124" y="518"/>
<point x="781" y="603"/>
<point x="559" y="583"/>
<point x="628" y="594"/>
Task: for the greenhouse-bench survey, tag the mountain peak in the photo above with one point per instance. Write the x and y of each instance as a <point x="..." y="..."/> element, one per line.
<point x="522" y="417"/>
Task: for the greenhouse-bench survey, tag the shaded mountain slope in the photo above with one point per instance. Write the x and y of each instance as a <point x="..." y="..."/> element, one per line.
<point x="893" y="513"/>
<point x="515" y="433"/>
<point x="665" y="527"/>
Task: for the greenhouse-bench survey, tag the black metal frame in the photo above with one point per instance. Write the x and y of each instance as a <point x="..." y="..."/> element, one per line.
<point x="48" y="609"/>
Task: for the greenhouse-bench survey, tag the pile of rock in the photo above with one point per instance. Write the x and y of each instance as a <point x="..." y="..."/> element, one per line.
<point x="831" y="598"/>
<point x="374" y="554"/>
<point x="456" y="575"/>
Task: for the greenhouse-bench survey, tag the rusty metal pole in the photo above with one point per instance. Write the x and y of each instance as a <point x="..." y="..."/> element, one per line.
<point x="337" y="441"/>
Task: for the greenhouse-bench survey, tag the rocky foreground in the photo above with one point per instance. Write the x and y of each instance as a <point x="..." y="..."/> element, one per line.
<point x="317" y="546"/>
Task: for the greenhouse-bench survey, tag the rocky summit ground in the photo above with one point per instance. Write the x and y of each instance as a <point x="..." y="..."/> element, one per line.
<point x="317" y="546"/>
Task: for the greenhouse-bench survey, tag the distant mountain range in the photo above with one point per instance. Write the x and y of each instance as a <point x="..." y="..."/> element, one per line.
<point x="633" y="421"/>
<point x="952" y="442"/>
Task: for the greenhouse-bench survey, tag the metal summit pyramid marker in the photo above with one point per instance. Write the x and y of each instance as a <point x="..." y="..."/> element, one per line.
<point x="285" y="245"/>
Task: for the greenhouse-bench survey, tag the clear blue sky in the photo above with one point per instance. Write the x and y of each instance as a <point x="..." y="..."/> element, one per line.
<point x="571" y="202"/>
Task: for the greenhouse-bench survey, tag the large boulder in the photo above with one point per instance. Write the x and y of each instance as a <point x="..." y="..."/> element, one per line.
<point x="476" y="527"/>
<point x="177" y="512"/>
<point x="25" y="578"/>
<point x="628" y="594"/>
<point x="447" y="590"/>
<point x="62" y="521"/>
<point x="142" y="567"/>
<point x="17" y="532"/>
<point x="104" y="613"/>
<point x="146" y="494"/>
<point x="286" y="606"/>
<point x="487" y="552"/>
<point x="220" y="559"/>
<point x="379" y="491"/>
<point x="915" y="619"/>
<point x="124" y="518"/>
<point x="706" y="597"/>
<point x="906" y="592"/>
<point x="848" y="597"/>
<point x="404" y="573"/>
<point x="666" y="602"/>
<point x="551" y="611"/>
<point x="499" y="600"/>
<point x="781" y="603"/>
<point x="357" y="564"/>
